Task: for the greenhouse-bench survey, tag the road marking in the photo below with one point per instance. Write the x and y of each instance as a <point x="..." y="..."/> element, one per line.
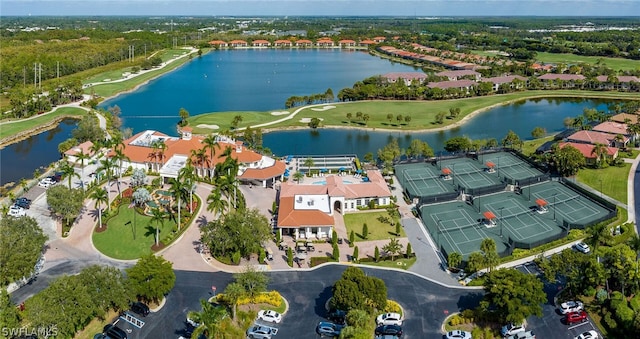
<point x="580" y="324"/>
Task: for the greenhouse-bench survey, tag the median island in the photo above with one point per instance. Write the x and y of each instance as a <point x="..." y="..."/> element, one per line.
<point x="389" y="115"/>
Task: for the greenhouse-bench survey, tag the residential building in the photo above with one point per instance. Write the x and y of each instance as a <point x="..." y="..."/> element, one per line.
<point x="464" y="85"/>
<point x="619" y="82"/>
<point x="347" y="43"/>
<point x="560" y="80"/>
<point x="595" y="137"/>
<point x="460" y="74"/>
<point x="260" y="43"/>
<point x="218" y="43"/>
<point x="282" y="43"/>
<point x="407" y="77"/>
<point x="84" y="148"/>
<point x="588" y="152"/>
<point x="304" y="43"/>
<point x="509" y="79"/>
<point x="625" y="118"/>
<point x="307" y="210"/>
<point x="238" y="43"/>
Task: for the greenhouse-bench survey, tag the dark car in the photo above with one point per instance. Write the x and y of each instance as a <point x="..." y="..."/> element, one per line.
<point x="140" y="308"/>
<point x="389" y="330"/>
<point x="326" y="329"/>
<point x="22" y="203"/>
<point x="337" y="316"/>
<point x="114" y="332"/>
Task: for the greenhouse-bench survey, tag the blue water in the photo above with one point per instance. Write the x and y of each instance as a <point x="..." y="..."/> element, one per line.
<point x="324" y="182"/>
<point x="21" y="159"/>
<point x="521" y="117"/>
<point x="244" y="80"/>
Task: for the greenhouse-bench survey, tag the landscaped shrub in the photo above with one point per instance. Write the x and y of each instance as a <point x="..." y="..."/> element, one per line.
<point x="272" y="298"/>
<point x="609" y="321"/>
<point x="128" y="193"/>
<point x="392" y="307"/>
<point x="261" y="255"/>
<point x="315" y="261"/>
<point x="635" y="303"/>
<point x="602" y="295"/>
<point x="476" y="332"/>
<point x="236" y="258"/>
<point x="589" y="291"/>
<point x="455" y="320"/>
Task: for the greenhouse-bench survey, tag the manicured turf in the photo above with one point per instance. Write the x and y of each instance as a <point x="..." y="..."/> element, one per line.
<point x="118" y="240"/>
<point x="614" y="63"/>
<point x="7" y="129"/>
<point x="404" y="263"/>
<point x="614" y="180"/>
<point x="530" y="146"/>
<point x="377" y="230"/>
<point x="422" y="113"/>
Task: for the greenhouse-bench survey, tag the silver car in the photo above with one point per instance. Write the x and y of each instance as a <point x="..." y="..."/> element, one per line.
<point x="261" y="332"/>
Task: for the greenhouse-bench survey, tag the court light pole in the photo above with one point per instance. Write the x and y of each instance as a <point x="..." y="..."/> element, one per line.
<point x="600" y="188"/>
<point x="438" y="226"/>
<point x="501" y="221"/>
<point x="554" y="206"/>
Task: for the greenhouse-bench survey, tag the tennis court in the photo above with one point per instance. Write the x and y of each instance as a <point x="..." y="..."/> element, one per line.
<point x="510" y="166"/>
<point x="566" y="203"/>
<point x="457" y="227"/>
<point x="422" y="179"/>
<point x="468" y="173"/>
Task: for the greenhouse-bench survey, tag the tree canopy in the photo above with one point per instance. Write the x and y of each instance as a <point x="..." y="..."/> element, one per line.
<point x="22" y="243"/>
<point x="355" y="290"/>
<point x="151" y="278"/>
<point x="568" y="160"/>
<point x="241" y="231"/>
<point x="65" y="202"/>
<point x="513" y="295"/>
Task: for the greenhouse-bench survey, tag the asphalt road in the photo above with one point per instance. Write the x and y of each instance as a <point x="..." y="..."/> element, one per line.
<point x="426" y="304"/>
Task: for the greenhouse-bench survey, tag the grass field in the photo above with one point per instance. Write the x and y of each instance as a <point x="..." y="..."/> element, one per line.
<point x="377" y="230"/>
<point x="612" y="179"/>
<point x="530" y="146"/>
<point x="405" y="264"/>
<point x="422" y="113"/>
<point x="7" y="129"/>
<point x="614" y="63"/>
<point x="118" y="240"/>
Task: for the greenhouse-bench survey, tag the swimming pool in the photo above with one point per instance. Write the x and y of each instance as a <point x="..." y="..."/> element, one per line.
<point x="324" y="182"/>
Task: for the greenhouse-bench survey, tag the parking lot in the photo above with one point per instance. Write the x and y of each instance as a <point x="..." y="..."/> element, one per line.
<point x="551" y="324"/>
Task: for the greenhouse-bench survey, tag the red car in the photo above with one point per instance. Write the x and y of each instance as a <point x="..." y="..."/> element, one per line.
<point x="576" y="317"/>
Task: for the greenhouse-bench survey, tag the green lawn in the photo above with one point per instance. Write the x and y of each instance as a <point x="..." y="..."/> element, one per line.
<point x="7" y="129"/>
<point x="612" y="179"/>
<point x="614" y="63"/>
<point x="422" y="113"/>
<point x="377" y="230"/>
<point x="530" y="146"/>
<point x="118" y="240"/>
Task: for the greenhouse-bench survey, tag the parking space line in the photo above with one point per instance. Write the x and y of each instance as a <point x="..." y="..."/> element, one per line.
<point x="580" y="324"/>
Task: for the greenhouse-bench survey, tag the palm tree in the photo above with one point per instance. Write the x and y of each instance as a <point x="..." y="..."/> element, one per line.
<point x="215" y="202"/>
<point x="95" y="148"/>
<point x="140" y="197"/>
<point x="211" y="143"/>
<point x="200" y="157"/>
<point x="178" y="188"/>
<point x="68" y="171"/>
<point x="107" y="166"/>
<point x="188" y="175"/>
<point x="101" y="196"/>
<point x="297" y="176"/>
<point x="25" y="185"/>
<point x="81" y="157"/>
<point x="308" y="162"/>
<point x="119" y="157"/>
<point x="208" y="319"/>
<point x="600" y="151"/>
<point x="597" y="234"/>
<point x="157" y="216"/>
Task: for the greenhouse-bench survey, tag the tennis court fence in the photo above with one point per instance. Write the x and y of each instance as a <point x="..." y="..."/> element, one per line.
<point x="530" y="181"/>
<point x="495" y="188"/>
<point x="442" y="197"/>
<point x="589" y="195"/>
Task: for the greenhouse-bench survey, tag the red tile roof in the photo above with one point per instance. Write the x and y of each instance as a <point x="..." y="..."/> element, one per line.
<point x="217" y="42"/>
<point x="565" y="77"/>
<point x="621" y="78"/>
<point x="288" y="217"/>
<point x="82" y="148"/>
<point x="623" y="117"/>
<point x="504" y="79"/>
<point x="611" y="127"/>
<point x="592" y="137"/>
<point x="587" y="149"/>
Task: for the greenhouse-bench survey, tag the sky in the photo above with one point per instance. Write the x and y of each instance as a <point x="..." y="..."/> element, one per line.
<point x="421" y="8"/>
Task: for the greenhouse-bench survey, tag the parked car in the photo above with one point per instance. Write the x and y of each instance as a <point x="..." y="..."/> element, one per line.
<point x="140" y="308"/>
<point x="17" y="211"/>
<point x="571" y="306"/>
<point x="114" y="332"/>
<point x="575" y="317"/>
<point x="523" y="335"/>
<point x="511" y="329"/>
<point x="389" y="319"/>
<point x="582" y="247"/>
<point x="337" y="317"/>
<point x="270" y="316"/>
<point x="457" y="334"/>
<point x="23" y="202"/>
<point x="261" y="332"/>
<point x="46" y="182"/>
<point x="588" y="335"/>
<point x="327" y="329"/>
<point x="389" y="330"/>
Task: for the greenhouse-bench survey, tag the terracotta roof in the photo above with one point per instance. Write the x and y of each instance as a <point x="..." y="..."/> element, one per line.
<point x="623" y="117"/>
<point x="347" y="41"/>
<point x="238" y="42"/>
<point x="82" y="148"/>
<point x="303" y="41"/>
<point x="452" y="84"/>
<point x="587" y="149"/>
<point x="367" y="42"/>
<point x="611" y="127"/>
<point x="217" y="42"/>
<point x="592" y="137"/>
<point x="504" y="79"/>
<point x="405" y="75"/>
<point x="621" y="78"/>
<point x="283" y="42"/>
<point x="264" y="173"/>
<point x="288" y="217"/>
<point x="261" y="42"/>
<point x="565" y="77"/>
<point x="457" y="73"/>
<point x="376" y="187"/>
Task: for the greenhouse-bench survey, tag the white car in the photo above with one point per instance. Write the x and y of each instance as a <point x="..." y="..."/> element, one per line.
<point x="589" y="335"/>
<point x="523" y="335"/>
<point x="46" y="183"/>
<point x="571" y="306"/>
<point x="457" y="334"/>
<point x="511" y="329"/>
<point x="582" y="247"/>
<point x="389" y="319"/>
<point x="270" y="316"/>
<point x="17" y="211"/>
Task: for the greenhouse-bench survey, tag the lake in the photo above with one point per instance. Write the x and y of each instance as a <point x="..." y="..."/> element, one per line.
<point x="521" y="117"/>
<point x="21" y="159"/>
<point x="244" y="80"/>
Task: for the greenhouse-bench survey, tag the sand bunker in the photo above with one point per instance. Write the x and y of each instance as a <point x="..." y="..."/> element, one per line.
<point x="208" y="126"/>
<point x="279" y="113"/>
<point x="323" y="108"/>
<point x="308" y="120"/>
